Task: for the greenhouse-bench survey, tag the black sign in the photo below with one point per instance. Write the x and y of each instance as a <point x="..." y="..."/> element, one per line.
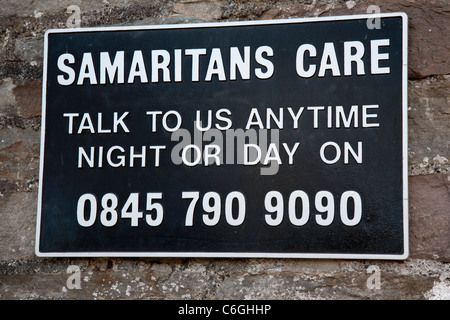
<point x="279" y="138"/>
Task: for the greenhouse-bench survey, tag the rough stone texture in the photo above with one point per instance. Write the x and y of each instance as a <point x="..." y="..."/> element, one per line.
<point x="204" y="10"/>
<point x="429" y="205"/>
<point x="202" y="279"/>
<point x="424" y="275"/>
<point x="19" y="159"/>
<point x="428" y="120"/>
<point x="28" y="97"/>
<point x="17" y="222"/>
<point x="7" y="97"/>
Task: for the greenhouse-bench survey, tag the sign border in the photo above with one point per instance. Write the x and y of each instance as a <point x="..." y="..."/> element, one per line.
<point x="402" y="256"/>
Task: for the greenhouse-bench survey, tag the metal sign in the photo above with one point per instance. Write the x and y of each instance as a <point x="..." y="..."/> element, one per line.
<point x="282" y="138"/>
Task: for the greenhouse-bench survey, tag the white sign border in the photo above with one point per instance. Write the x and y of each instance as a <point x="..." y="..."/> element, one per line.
<point x="402" y="256"/>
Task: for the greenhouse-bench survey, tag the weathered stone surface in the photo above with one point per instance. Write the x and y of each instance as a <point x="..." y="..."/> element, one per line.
<point x="204" y="10"/>
<point x="172" y="19"/>
<point x="30" y="49"/>
<point x="430" y="216"/>
<point x="200" y="279"/>
<point x="7" y="98"/>
<point x="429" y="125"/>
<point x="38" y="9"/>
<point x="17" y="224"/>
<point x="19" y="156"/>
<point x="29" y="97"/>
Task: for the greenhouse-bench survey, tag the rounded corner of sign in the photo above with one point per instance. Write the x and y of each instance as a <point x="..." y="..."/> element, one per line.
<point x="38" y="253"/>
<point x="403" y="15"/>
<point x="404" y="255"/>
<point x="48" y="32"/>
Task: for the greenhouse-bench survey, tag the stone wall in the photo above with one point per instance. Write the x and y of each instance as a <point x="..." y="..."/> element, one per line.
<point x="424" y="275"/>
